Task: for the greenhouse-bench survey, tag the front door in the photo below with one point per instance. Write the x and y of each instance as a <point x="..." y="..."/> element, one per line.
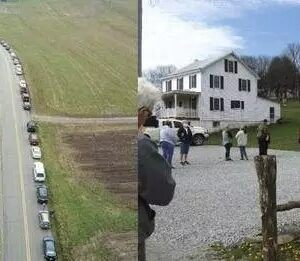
<point x="272" y="114"/>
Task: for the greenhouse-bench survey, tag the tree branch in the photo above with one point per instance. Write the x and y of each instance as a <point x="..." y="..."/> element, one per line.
<point x="288" y="206"/>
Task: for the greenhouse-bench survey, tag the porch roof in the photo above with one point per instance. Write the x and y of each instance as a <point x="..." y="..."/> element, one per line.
<point x="184" y="92"/>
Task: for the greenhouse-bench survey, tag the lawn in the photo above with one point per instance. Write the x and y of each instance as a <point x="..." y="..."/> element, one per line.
<point x="79" y="56"/>
<point x="283" y="136"/>
<point x="87" y="216"/>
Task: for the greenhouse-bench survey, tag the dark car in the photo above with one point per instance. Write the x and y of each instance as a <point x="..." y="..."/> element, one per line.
<point x="31" y="126"/>
<point x="49" y="248"/>
<point x="23" y="90"/>
<point x="42" y="194"/>
<point x="25" y="97"/>
<point x="27" y="106"/>
<point x="33" y="139"/>
<point x="44" y="219"/>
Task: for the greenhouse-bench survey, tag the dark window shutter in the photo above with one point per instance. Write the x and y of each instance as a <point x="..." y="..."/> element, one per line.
<point x="242" y="105"/>
<point x="211" y="101"/>
<point x="222" y="82"/>
<point x="235" y="67"/>
<point x="240" y="84"/>
<point x="190" y="82"/>
<point x="226" y="65"/>
<point x="249" y="87"/>
<point x="222" y="104"/>
<point x="211" y="81"/>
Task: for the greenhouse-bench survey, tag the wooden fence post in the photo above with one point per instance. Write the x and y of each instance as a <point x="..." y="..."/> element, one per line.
<point x="266" y="173"/>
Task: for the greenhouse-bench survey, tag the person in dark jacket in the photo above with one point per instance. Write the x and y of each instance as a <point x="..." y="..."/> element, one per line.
<point x="263" y="138"/>
<point x="185" y="136"/>
<point x="155" y="182"/>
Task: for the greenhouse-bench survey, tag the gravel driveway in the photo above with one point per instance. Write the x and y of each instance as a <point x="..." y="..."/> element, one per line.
<point x="217" y="200"/>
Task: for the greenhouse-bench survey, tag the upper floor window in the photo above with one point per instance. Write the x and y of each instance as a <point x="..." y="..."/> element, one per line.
<point x="180" y="84"/>
<point x="216" y="81"/>
<point x="230" y="66"/>
<point x="193" y="81"/>
<point x="244" y="85"/>
<point x="169" y="85"/>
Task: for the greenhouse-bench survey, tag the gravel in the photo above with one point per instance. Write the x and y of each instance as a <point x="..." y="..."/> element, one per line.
<point x="217" y="201"/>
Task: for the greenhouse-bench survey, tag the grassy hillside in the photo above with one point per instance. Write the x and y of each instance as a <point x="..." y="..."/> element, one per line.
<point x="90" y="221"/>
<point x="79" y="55"/>
<point x="283" y="136"/>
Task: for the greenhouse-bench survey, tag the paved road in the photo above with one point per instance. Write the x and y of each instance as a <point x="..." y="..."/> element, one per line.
<point x="73" y="120"/>
<point x="218" y="201"/>
<point x="21" y="234"/>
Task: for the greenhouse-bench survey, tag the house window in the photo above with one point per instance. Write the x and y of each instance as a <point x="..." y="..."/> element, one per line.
<point x="237" y="104"/>
<point x="193" y="81"/>
<point x="216" y="124"/>
<point x="180" y="84"/>
<point x="169" y="85"/>
<point x="169" y="104"/>
<point x="244" y="85"/>
<point x="177" y="124"/>
<point x="180" y="104"/>
<point x="231" y="66"/>
<point x="216" y="104"/>
<point x="216" y="81"/>
<point x="194" y="103"/>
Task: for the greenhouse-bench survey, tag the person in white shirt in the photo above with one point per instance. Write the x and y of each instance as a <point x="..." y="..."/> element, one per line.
<point x="168" y="141"/>
<point x="242" y="139"/>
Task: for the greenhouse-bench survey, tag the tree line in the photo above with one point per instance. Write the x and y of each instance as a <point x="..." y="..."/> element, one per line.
<point x="279" y="76"/>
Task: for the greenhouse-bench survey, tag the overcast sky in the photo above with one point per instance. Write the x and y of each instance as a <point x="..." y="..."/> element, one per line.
<point x="180" y="31"/>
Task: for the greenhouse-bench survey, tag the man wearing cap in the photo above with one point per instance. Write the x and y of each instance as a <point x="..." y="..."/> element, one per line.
<point x="155" y="183"/>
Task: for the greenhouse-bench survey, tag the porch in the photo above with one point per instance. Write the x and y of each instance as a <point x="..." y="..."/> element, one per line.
<point x="181" y="105"/>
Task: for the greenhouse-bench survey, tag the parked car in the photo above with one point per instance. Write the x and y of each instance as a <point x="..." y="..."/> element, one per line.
<point x="33" y="139"/>
<point x="7" y="47"/>
<point x="31" y="126"/>
<point x="200" y="134"/>
<point x="23" y="90"/>
<point x="2" y="42"/>
<point x="42" y="194"/>
<point x="13" y="54"/>
<point x="39" y="174"/>
<point x="44" y="219"/>
<point x="49" y="248"/>
<point x="27" y="106"/>
<point x="23" y="83"/>
<point x="25" y="97"/>
<point x="16" y="61"/>
<point x="19" y="72"/>
<point x="36" y="152"/>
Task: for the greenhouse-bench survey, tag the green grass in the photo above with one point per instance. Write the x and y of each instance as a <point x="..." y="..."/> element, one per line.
<point x="252" y="251"/>
<point x="82" y="210"/>
<point x="283" y="136"/>
<point x="79" y="55"/>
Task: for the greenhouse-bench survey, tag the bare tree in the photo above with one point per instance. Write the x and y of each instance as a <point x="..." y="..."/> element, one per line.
<point x="155" y="75"/>
<point x="293" y="53"/>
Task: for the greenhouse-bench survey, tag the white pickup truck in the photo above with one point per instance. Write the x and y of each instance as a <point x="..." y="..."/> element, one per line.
<point x="199" y="134"/>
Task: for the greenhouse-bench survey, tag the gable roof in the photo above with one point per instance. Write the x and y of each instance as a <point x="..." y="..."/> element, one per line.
<point x="199" y="66"/>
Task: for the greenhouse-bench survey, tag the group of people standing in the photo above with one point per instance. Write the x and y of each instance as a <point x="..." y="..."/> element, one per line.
<point x="263" y="139"/>
<point x="169" y="138"/>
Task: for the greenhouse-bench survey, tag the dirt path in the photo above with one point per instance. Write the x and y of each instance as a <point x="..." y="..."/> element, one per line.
<point x="71" y="120"/>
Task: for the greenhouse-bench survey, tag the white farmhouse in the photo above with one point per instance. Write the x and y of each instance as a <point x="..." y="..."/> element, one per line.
<point x="215" y="93"/>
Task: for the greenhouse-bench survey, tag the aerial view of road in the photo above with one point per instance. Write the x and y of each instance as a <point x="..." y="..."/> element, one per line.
<point x="21" y="235"/>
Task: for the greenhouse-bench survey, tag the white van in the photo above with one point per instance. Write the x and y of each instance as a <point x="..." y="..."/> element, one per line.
<point x="39" y="172"/>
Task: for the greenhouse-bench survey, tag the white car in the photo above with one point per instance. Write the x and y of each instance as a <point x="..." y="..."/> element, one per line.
<point x="13" y="55"/>
<point x="23" y="84"/>
<point x="39" y="174"/>
<point x="19" y="71"/>
<point x="36" y="152"/>
<point x="19" y="66"/>
<point x="16" y="61"/>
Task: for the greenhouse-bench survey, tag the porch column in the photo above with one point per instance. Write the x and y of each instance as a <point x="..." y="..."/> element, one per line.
<point x="175" y="104"/>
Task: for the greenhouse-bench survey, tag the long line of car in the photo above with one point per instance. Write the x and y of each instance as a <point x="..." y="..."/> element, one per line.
<point x="39" y="174"/>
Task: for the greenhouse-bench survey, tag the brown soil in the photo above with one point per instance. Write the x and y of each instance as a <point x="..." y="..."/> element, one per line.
<point x="107" y="157"/>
